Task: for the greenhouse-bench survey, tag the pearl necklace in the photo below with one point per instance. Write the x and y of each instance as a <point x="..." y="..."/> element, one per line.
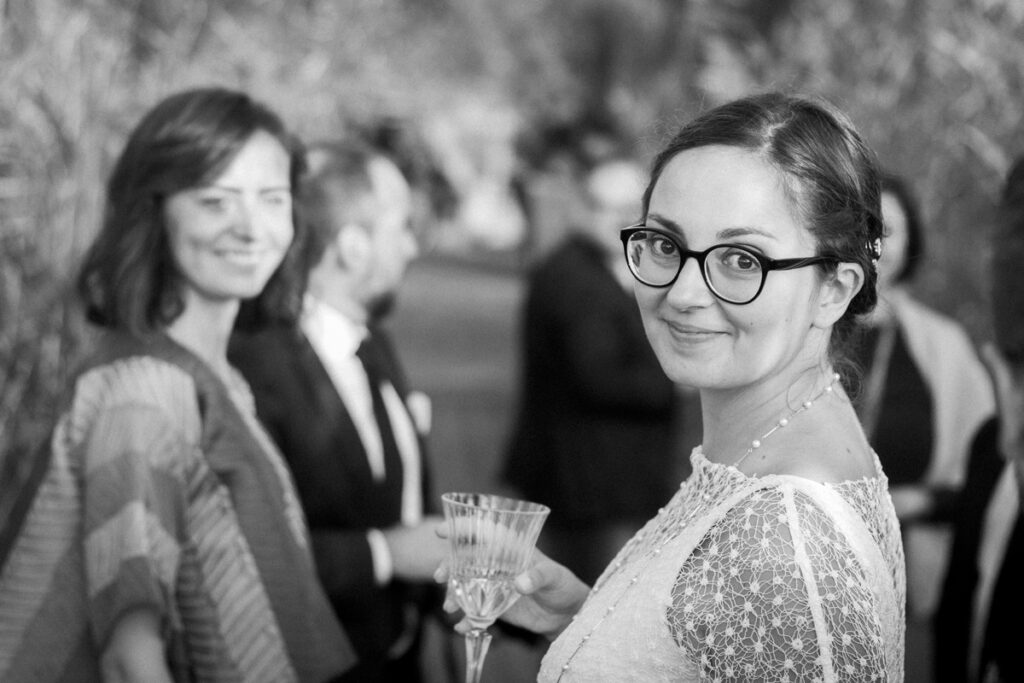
<point x="660" y="526"/>
<point x="756" y="443"/>
<point x="669" y="537"/>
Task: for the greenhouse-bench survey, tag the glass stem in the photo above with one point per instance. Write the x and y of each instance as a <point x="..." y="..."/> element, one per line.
<point x="477" y="642"/>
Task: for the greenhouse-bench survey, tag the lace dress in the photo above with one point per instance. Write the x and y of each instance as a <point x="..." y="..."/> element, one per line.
<point x="738" y="578"/>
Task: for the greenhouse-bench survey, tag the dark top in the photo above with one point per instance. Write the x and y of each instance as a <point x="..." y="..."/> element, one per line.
<point x="903" y="435"/>
<point x="593" y="436"/>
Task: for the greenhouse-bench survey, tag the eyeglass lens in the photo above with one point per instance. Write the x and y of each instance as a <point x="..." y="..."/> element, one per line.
<point x="732" y="273"/>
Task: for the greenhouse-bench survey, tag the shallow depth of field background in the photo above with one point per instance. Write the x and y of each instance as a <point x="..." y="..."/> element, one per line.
<point x="464" y="89"/>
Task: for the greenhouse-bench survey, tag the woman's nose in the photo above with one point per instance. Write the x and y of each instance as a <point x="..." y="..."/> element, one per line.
<point x="245" y="220"/>
<point x="412" y="244"/>
<point x="689" y="289"/>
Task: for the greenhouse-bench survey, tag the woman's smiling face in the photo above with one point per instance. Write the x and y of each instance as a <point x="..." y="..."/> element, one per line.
<point x="228" y="237"/>
<point x="718" y="194"/>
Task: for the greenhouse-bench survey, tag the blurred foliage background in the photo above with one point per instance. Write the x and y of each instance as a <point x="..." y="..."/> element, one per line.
<point x="474" y="96"/>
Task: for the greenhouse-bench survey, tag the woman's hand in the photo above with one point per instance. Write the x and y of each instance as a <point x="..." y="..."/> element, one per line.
<point x="550" y="596"/>
<point x="135" y="651"/>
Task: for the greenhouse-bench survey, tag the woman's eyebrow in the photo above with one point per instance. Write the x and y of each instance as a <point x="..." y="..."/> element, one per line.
<point x="238" y="190"/>
<point x="745" y="231"/>
<point x="665" y="222"/>
<point x="724" y="234"/>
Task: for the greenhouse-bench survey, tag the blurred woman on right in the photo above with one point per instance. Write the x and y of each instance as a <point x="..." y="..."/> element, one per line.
<point x="923" y="396"/>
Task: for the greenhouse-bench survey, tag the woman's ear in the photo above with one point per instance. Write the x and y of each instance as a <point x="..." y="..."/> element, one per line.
<point x="837" y="291"/>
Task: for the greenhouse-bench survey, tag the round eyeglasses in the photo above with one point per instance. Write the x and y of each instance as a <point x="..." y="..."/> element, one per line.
<point x="733" y="273"/>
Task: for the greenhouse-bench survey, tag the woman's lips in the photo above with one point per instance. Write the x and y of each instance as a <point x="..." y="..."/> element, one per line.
<point x="692" y="333"/>
<point x="242" y="257"/>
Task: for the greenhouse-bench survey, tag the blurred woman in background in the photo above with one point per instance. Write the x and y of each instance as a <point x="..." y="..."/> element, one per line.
<point x="160" y="538"/>
<point x="923" y="397"/>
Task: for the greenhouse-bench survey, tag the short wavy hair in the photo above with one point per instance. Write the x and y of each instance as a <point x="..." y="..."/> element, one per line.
<point x="128" y="279"/>
<point x="338" y="189"/>
<point x="829" y="173"/>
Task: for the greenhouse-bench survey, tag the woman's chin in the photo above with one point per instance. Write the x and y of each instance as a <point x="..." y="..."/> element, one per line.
<point x="689" y="374"/>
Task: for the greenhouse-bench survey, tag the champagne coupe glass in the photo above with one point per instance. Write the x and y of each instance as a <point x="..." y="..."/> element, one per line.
<point x="491" y="540"/>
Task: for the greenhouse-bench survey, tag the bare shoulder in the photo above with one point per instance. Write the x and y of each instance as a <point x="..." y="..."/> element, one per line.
<point x="829" y="451"/>
<point x="830" y="463"/>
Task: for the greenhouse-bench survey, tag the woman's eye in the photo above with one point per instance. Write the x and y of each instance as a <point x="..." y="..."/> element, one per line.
<point x="740" y="260"/>
<point x="664" y="247"/>
<point x="277" y="198"/>
<point x="213" y="202"/>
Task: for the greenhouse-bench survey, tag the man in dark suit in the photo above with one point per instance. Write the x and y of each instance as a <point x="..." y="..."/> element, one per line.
<point x="332" y="395"/>
<point x="594" y="434"/>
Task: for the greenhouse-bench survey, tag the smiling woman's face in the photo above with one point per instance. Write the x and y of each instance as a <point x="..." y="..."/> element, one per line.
<point x="228" y="237"/>
<point x="717" y="194"/>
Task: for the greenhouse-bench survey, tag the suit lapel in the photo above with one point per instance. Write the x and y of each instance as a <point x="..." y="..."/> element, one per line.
<point x="330" y="410"/>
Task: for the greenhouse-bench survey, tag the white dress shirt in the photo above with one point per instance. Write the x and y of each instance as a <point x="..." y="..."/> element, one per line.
<point x="336" y="338"/>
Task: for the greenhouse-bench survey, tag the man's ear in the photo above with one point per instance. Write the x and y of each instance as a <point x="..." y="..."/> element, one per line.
<point x="837" y="291"/>
<point x="352" y="246"/>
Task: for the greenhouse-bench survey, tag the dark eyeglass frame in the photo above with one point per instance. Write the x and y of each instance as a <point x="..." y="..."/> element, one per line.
<point x="767" y="264"/>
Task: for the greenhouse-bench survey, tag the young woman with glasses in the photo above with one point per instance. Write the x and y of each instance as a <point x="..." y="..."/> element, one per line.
<point x="779" y="558"/>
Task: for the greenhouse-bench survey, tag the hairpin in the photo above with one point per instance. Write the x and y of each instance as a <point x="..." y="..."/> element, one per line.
<point x="875" y="249"/>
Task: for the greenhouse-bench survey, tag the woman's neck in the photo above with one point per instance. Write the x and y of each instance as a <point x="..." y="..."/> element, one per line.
<point x="733" y="418"/>
<point x="204" y="329"/>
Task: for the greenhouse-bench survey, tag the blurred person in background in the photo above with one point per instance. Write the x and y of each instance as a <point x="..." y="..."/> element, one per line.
<point x="333" y="396"/>
<point x="591" y="387"/>
<point x="977" y="626"/>
<point x="923" y="397"/>
<point x="161" y="538"/>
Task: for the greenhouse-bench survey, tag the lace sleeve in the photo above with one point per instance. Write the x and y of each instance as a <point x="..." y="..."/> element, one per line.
<point x="775" y="592"/>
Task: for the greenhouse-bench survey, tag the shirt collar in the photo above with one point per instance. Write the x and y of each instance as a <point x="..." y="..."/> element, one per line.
<point x="326" y="324"/>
